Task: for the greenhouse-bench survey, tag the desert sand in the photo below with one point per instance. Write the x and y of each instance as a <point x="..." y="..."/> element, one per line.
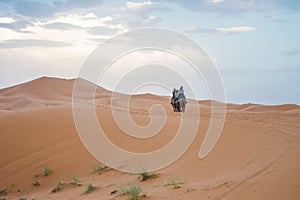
<point x="256" y="157"/>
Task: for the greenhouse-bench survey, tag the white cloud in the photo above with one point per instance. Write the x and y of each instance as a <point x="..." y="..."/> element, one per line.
<point x="228" y="30"/>
<point x="6" y="20"/>
<point x="61" y="26"/>
<point x="45" y="9"/>
<point x="132" y="70"/>
<point x="140" y="5"/>
<point x="143" y="9"/>
<point x="31" y="43"/>
<point x="88" y="20"/>
<point x="237" y="29"/>
<point x="151" y="20"/>
<point x="77" y="30"/>
<point x="144" y="13"/>
<point x="216" y="1"/>
<point x="132" y="23"/>
<point x="237" y="7"/>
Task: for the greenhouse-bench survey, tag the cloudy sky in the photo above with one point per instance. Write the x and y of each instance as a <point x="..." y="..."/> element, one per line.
<point x="254" y="43"/>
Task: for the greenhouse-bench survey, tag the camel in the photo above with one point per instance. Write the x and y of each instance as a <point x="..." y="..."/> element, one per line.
<point x="179" y="105"/>
<point x="182" y="104"/>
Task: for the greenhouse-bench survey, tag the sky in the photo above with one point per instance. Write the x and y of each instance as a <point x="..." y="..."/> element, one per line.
<point x="254" y="44"/>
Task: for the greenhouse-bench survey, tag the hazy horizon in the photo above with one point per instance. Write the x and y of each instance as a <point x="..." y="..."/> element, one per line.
<point x="169" y="94"/>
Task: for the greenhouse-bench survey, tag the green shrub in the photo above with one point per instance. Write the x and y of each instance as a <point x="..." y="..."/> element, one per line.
<point x="36" y="176"/>
<point x="90" y="188"/>
<point x="133" y="192"/>
<point x="58" y="187"/>
<point x="176" y="182"/>
<point x="144" y="175"/>
<point x="47" y="171"/>
<point x="99" y="168"/>
<point x="75" y="181"/>
<point x="36" y="183"/>
<point x="3" y="191"/>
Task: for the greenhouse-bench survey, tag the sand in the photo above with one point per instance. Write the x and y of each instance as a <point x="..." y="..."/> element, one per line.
<point x="256" y="157"/>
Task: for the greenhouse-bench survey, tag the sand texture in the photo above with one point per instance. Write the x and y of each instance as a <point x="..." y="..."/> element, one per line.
<point x="256" y="157"/>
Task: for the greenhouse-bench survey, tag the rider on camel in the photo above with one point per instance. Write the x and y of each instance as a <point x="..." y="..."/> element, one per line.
<point x="175" y="95"/>
<point x="181" y="93"/>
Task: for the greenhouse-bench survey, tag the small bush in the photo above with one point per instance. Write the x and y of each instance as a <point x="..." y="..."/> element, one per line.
<point x="225" y="182"/>
<point x="36" y="176"/>
<point x="22" y="198"/>
<point x="99" y="168"/>
<point x="58" y="187"/>
<point x="75" y="181"/>
<point x="47" y="171"/>
<point x="144" y="175"/>
<point x="36" y="184"/>
<point x="176" y="182"/>
<point x="90" y="188"/>
<point x="133" y="192"/>
<point x="3" y="191"/>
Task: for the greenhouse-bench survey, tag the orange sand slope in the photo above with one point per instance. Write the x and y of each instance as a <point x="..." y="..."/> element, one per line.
<point x="256" y="157"/>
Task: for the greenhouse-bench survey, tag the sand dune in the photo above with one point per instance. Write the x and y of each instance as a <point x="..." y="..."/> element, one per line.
<point x="256" y="157"/>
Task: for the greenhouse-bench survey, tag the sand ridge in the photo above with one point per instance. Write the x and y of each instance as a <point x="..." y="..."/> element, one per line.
<point x="256" y="157"/>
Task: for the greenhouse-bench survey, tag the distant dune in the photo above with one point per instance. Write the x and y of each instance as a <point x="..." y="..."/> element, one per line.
<point x="256" y="157"/>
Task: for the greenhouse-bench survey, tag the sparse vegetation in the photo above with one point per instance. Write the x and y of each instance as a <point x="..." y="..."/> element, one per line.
<point x="144" y="175"/>
<point x="175" y="182"/>
<point x="3" y="191"/>
<point x="90" y="188"/>
<point x="36" y="176"/>
<point x="47" y="171"/>
<point x="225" y="182"/>
<point x="36" y="183"/>
<point x="133" y="192"/>
<point x="75" y="181"/>
<point x="99" y="168"/>
<point x="58" y="187"/>
<point x="22" y="198"/>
